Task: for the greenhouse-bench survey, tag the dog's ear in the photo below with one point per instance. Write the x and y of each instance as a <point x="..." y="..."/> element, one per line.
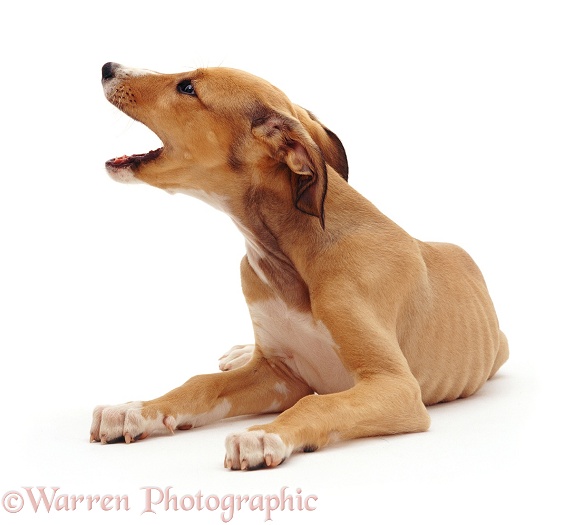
<point x="330" y="145"/>
<point x="291" y="144"/>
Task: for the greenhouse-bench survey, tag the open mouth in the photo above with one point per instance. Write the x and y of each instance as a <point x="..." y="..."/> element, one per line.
<point x="133" y="161"/>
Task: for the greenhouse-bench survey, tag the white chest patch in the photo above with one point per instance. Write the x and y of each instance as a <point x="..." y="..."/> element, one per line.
<point x="219" y="202"/>
<point x="303" y="344"/>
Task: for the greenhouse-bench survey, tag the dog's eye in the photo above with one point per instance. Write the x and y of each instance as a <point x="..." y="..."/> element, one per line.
<point x="186" y="88"/>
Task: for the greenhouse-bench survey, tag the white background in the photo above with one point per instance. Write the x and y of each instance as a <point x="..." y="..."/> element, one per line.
<point x="463" y="122"/>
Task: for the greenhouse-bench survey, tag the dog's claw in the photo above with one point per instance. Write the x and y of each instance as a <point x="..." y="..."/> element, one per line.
<point x="125" y="424"/>
<point x="261" y="450"/>
<point x="170" y="423"/>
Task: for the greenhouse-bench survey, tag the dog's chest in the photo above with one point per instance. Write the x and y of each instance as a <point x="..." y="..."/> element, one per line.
<point x="301" y="343"/>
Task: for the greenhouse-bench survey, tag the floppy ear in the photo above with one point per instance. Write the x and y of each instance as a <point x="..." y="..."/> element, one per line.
<point x="330" y="145"/>
<point x="291" y="144"/>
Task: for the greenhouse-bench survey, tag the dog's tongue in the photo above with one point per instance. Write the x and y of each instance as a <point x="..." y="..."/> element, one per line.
<point x="125" y="159"/>
<point x="129" y="160"/>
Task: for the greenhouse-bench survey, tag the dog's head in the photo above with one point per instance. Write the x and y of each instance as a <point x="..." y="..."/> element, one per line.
<point x="223" y="131"/>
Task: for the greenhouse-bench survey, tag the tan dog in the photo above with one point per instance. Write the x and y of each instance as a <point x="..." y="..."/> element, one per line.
<point x="344" y="304"/>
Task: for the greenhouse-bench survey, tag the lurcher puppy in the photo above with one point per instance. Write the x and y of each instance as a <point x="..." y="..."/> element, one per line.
<point x="357" y="325"/>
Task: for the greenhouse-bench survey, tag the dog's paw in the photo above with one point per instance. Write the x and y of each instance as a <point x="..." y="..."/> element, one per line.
<point x="255" y="449"/>
<point x="117" y="423"/>
<point x="236" y="357"/>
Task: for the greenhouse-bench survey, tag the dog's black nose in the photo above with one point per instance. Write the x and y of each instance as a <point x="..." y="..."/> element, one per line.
<point x="109" y="71"/>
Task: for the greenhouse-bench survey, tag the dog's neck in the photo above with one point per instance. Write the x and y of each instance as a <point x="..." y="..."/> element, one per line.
<point x="282" y="243"/>
<point x="274" y="252"/>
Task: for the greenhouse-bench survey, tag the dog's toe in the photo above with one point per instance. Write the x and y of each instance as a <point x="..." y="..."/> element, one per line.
<point x="255" y="449"/>
<point x="236" y="357"/>
<point x="121" y="424"/>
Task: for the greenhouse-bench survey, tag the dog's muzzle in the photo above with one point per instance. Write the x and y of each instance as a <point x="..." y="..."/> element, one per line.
<point x="108" y="71"/>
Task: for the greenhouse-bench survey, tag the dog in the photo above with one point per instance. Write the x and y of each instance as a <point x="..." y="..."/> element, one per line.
<point x="358" y="326"/>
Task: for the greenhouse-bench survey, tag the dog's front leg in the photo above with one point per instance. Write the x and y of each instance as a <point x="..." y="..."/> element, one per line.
<point x="255" y="388"/>
<point x="378" y="405"/>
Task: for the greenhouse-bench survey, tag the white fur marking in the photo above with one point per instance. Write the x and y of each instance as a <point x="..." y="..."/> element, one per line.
<point x="111" y="422"/>
<point x="236" y="357"/>
<point x="276" y="406"/>
<point x="254" y="251"/>
<point x="124" y="175"/>
<point x="219" y="202"/>
<point x="254" y="447"/>
<point x="254" y="255"/>
<point x="303" y="344"/>
<point x="129" y="72"/>
<point x="281" y="388"/>
<point x="122" y="73"/>
<point x="218" y="412"/>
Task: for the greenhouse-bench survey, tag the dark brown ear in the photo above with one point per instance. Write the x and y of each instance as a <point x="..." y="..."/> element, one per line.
<point x="291" y="144"/>
<point x="330" y="145"/>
